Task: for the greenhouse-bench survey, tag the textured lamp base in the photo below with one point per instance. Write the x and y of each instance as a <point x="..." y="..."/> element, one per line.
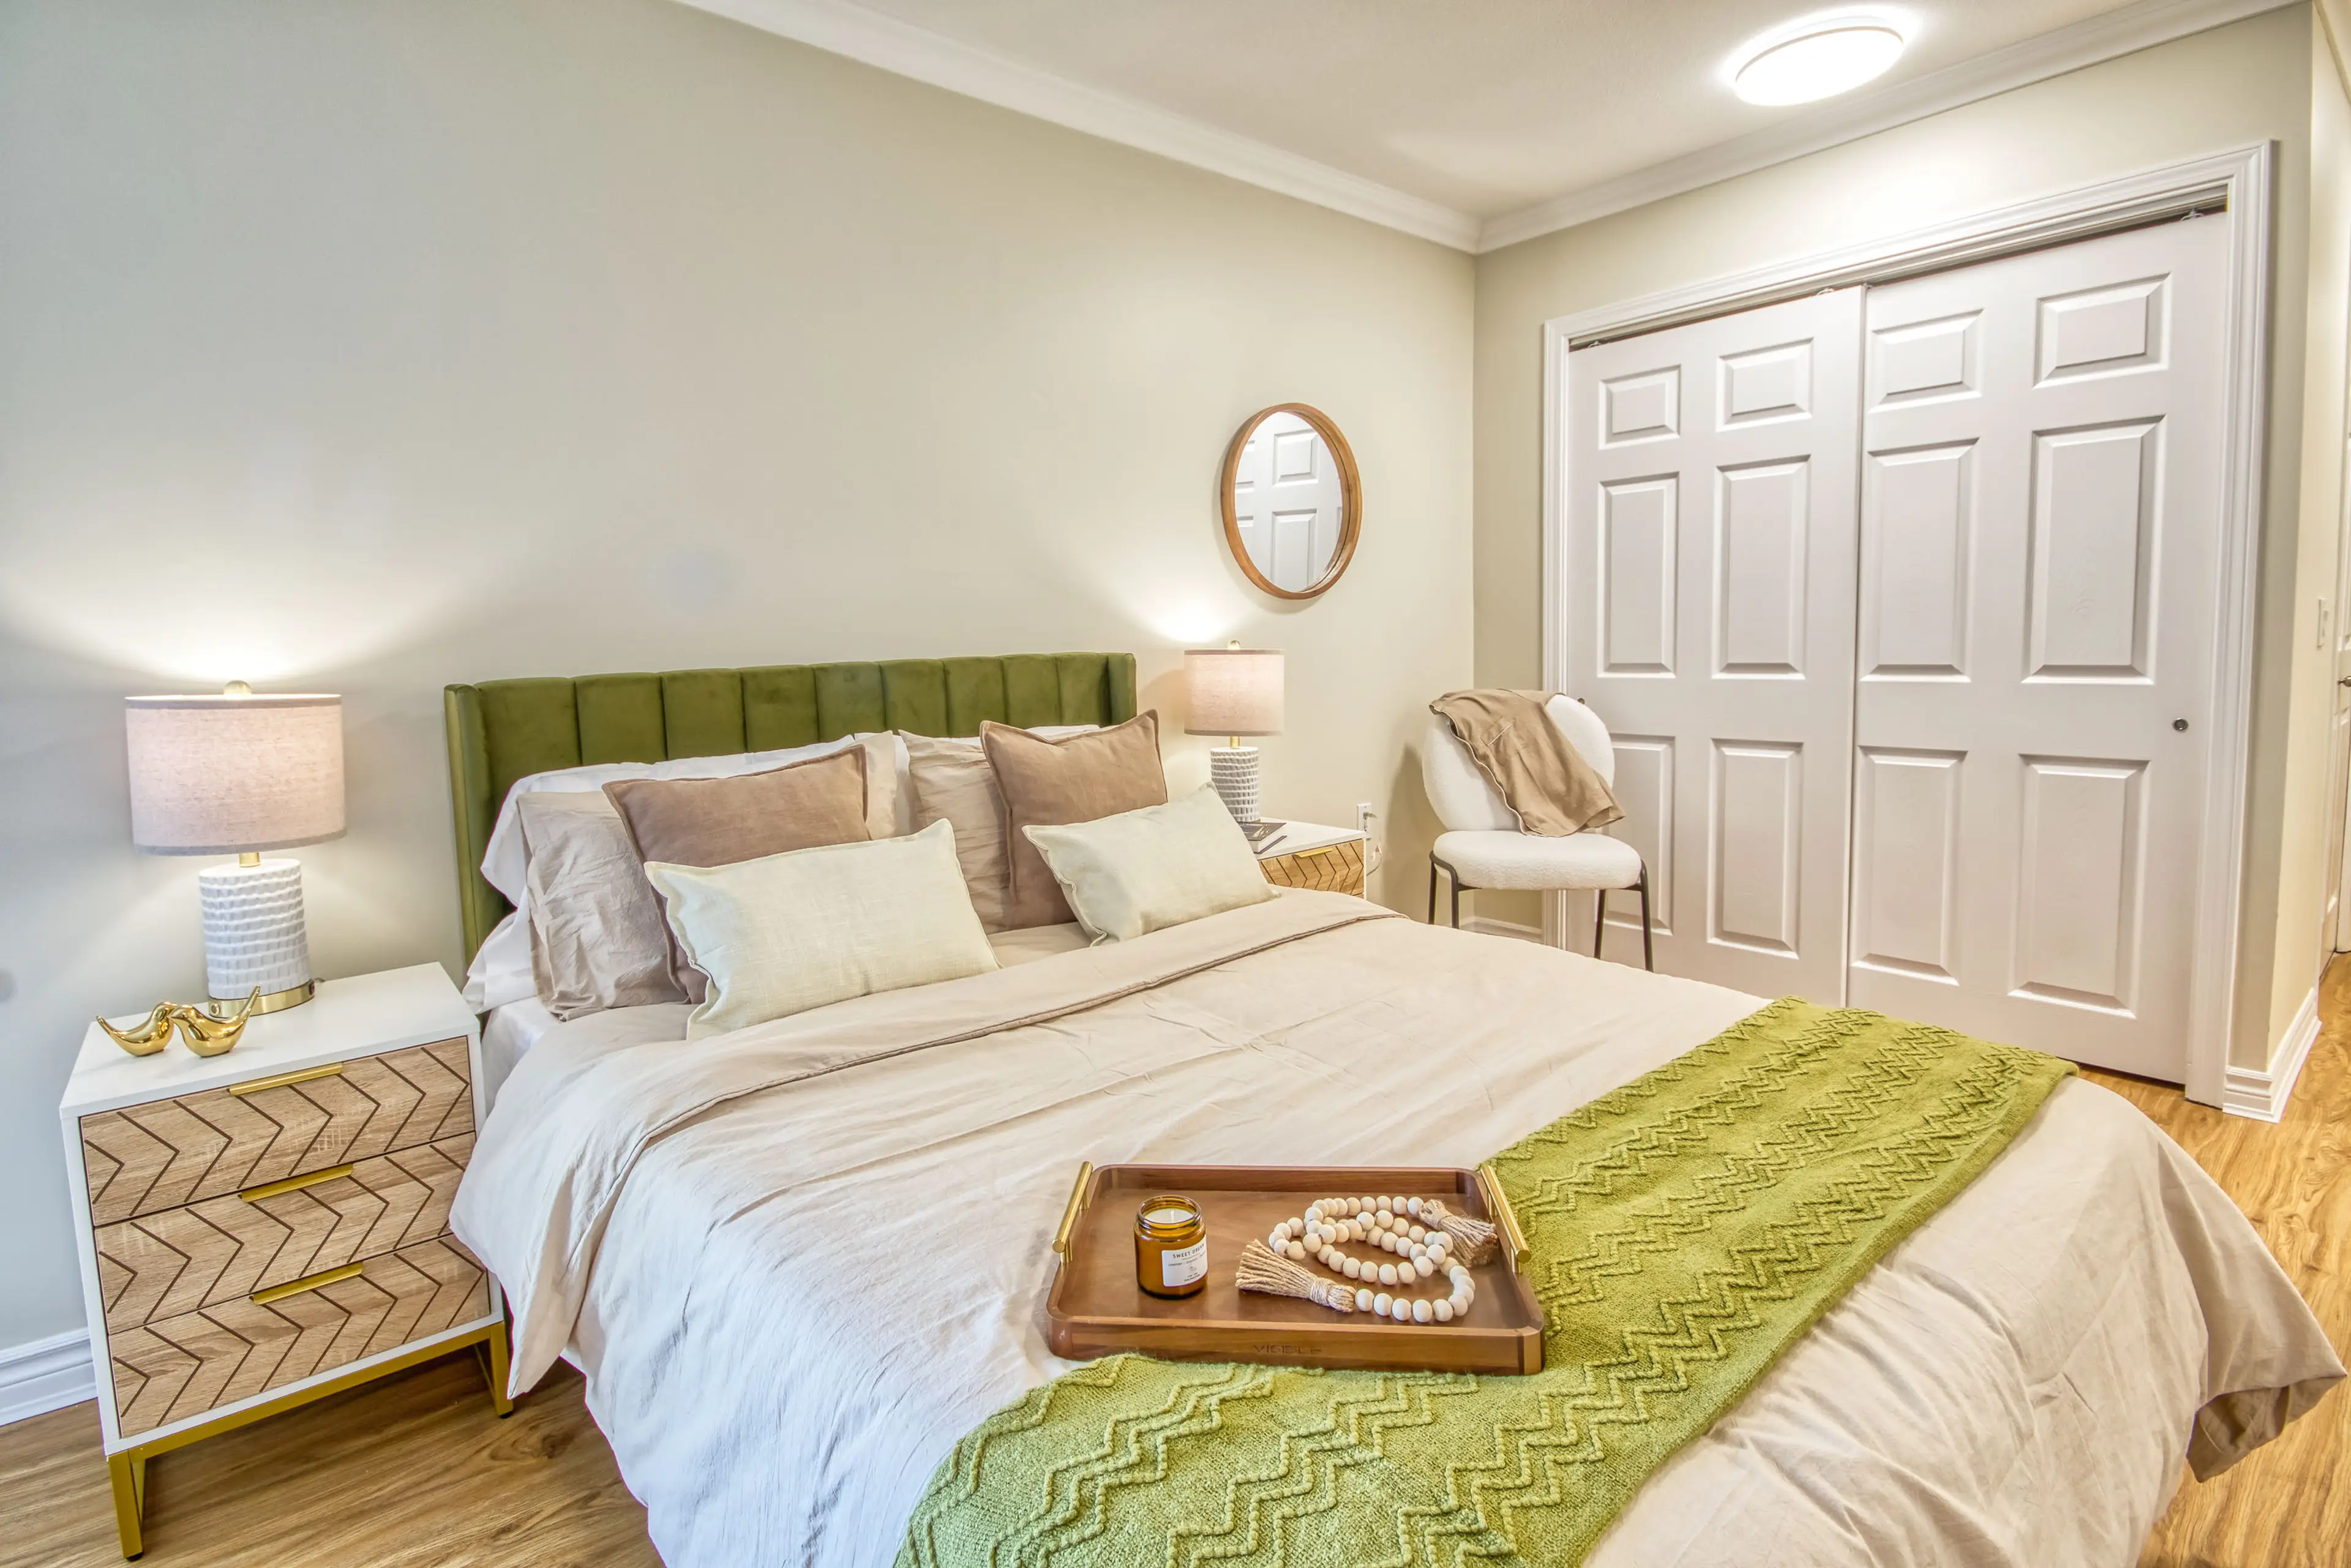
<point x="1233" y="771"/>
<point x="254" y="934"/>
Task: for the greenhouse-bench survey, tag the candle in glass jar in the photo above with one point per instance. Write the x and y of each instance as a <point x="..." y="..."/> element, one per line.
<point x="1171" y="1246"/>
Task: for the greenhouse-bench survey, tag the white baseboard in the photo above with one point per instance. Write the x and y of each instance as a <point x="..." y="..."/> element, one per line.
<point x="47" y="1375"/>
<point x="2262" y="1093"/>
<point x="1492" y="927"/>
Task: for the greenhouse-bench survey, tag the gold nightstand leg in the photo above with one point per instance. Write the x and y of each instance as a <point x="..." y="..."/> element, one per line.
<point x="492" y="1354"/>
<point x="129" y="1473"/>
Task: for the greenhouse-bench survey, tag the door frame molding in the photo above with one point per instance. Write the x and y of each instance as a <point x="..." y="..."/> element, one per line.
<point x="2233" y="186"/>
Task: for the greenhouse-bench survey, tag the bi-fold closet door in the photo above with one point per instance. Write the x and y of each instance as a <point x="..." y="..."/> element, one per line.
<point x="1899" y="601"/>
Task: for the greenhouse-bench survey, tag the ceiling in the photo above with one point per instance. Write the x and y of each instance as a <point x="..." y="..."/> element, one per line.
<point x="1472" y="117"/>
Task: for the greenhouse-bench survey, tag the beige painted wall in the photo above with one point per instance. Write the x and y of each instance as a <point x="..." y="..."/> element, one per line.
<point x="2215" y="92"/>
<point x="2303" y="947"/>
<point x="373" y="347"/>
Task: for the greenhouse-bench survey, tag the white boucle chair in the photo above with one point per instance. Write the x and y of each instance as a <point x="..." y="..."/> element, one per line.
<point x="1482" y="845"/>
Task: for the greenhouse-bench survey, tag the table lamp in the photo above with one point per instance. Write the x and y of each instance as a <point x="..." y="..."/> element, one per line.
<point x="1234" y="691"/>
<point x="241" y="774"/>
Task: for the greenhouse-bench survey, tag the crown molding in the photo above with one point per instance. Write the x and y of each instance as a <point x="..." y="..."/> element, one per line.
<point x="2069" y="48"/>
<point x="842" y="27"/>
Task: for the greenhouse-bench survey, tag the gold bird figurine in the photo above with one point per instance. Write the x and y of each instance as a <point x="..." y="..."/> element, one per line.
<point x="145" y="1038"/>
<point x="209" y="1036"/>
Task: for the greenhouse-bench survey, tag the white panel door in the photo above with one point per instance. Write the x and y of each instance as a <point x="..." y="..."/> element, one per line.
<point x="1288" y="502"/>
<point x="2040" y="516"/>
<point x="1710" y="510"/>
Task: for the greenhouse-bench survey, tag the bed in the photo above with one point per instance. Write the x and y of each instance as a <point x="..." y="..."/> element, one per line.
<point x="797" y="1262"/>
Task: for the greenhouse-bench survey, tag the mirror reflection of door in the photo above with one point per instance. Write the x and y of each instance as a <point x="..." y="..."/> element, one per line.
<point x="1288" y="502"/>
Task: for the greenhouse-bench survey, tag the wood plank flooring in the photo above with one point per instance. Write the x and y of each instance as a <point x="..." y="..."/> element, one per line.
<point x="2287" y="1505"/>
<point x="415" y="1472"/>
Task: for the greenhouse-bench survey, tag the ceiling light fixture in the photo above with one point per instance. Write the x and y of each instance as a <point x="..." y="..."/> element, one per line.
<point x="1815" y="57"/>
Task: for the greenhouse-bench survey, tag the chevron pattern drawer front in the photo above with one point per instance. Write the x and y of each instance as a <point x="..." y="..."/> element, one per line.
<point x="179" y="1366"/>
<point x="179" y="1260"/>
<point x="1334" y="868"/>
<point x="168" y="1154"/>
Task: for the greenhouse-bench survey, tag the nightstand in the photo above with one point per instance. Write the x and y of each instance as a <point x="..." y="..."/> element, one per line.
<point x="1308" y="854"/>
<point x="266" y="1227"/>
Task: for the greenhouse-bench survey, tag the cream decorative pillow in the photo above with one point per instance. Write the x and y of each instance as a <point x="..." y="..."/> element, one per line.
<point x="789" y="932"/>
<point x="597" y="940"/>
<point x="1143" y="871"/>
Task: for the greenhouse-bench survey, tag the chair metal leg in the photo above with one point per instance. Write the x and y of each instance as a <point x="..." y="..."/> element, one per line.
<point x="1432" y="890"/>
<point x="1599" y="918"/>
<point x="1454" y="880"/>
<point x="1648" y="946"/>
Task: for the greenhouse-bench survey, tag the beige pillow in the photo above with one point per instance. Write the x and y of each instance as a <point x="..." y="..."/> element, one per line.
<point x="719" y="822"/>
<point x="952" y="783"/>
<point x="1163" y="865"/>
<point x="785" y="933"/>
<point x="1045" y="783"/>
<point x="596" y="939"/>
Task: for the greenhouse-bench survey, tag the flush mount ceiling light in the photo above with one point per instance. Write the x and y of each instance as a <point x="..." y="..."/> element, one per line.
<point x="1815" y="57"/>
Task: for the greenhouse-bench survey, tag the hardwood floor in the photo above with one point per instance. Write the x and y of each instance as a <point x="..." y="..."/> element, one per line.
<point x="2287" y="1505"/>
<point x="415" y="1472"/>
<point x="411" y="1472"/>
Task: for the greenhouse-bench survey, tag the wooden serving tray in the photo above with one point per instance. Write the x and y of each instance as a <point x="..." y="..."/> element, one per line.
<point x="1096" y="1309"/>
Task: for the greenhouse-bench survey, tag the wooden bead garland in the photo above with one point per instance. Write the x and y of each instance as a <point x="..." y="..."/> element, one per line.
<point x="1424" y="1236"/>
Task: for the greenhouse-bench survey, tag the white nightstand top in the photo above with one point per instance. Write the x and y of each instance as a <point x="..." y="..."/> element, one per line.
<point x="1296" y="836"/>
<point x="361" y="1016"/>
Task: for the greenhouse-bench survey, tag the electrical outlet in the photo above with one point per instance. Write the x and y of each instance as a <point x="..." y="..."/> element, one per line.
<point x="1367" y="823"/>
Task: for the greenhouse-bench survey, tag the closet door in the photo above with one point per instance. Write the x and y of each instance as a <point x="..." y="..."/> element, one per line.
<point x="1709" y="512"/>
<point x="2039" y="505"/>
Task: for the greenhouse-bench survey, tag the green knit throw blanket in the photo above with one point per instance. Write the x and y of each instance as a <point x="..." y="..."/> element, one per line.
<point x="1683" y="1231"/>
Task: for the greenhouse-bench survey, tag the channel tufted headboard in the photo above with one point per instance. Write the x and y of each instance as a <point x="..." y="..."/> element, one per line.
<point x="500" y="731"/>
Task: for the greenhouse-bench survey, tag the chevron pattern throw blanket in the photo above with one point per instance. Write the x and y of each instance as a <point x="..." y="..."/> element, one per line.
<point x="1682" y="1232"/>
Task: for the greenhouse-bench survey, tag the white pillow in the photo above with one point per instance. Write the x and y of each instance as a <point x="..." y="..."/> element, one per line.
<point x="785" y="933"/>
<point x="501" y="972"/>
<point x="1163" y="865"/>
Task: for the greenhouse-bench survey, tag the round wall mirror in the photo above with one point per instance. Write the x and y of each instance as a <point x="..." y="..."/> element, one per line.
<point x="1293" y="503"/>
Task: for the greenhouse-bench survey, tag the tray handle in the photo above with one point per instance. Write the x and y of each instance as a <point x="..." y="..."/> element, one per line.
<point x="1498" y="1204"/>
<point x="1076" y="1205"/>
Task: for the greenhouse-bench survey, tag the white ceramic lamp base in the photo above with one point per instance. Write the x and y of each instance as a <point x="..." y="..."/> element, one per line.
<point x="1233" y="771"/>
<point x="254" y="934"/>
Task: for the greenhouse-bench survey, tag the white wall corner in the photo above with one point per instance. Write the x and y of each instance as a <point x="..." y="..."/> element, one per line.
<point x="2262" y="1093"/>
<point x="47" y="1375"/>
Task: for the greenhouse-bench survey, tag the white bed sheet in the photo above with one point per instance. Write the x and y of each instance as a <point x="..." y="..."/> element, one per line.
<point x="782" y="1339"/>
<point x="511" y="1029"/>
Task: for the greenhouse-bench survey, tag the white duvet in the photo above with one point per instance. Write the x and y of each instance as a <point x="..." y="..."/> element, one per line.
<point x="797" y="1262"/>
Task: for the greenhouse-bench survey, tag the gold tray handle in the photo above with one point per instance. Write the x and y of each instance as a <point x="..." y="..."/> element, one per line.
<point x="1074" y="1208"/>
<point x="1498" y="1205"/>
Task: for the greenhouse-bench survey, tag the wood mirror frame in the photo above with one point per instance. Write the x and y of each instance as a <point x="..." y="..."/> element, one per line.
<point x="1350" y="489"/>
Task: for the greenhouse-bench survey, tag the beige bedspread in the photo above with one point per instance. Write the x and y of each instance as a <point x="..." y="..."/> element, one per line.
<point x="799" y="1262"/>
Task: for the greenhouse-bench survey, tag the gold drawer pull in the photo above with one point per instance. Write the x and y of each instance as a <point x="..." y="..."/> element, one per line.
<point x="309" y="1282"/>
<point x="292" y="1184"/>
<point x="333" y="1070"/>
<point x="1310" y="854"/>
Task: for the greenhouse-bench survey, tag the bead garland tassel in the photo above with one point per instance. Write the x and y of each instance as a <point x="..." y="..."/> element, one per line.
<point x="1423" y="1236"/>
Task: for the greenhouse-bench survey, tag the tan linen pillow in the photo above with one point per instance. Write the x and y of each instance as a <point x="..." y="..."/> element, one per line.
<point x="1143" y="871"/>
<point x="719" y="822"/>
<point x="785" y="933"/>
<point x="597" y="937"/>
<point x="953" y="783"/>
<point x="1045" y="783"/>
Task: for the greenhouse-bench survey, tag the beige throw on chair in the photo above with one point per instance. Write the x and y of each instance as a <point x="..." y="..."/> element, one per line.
<point x="1545" y="782"/>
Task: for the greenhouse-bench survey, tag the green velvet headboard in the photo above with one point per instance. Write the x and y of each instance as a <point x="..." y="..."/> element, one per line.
<point x="500" y="731"/>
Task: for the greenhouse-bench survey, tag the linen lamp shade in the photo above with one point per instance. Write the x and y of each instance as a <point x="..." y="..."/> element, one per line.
<point x="240" y="774"/>
<point x="1234" y="692"/>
